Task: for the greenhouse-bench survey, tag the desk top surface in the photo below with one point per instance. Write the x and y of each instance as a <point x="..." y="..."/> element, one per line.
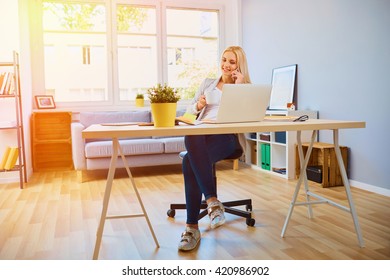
<point x="107" y="131"/>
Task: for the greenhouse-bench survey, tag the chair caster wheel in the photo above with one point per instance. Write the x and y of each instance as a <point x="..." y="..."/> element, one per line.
<point x="250" y="222"/>
<point x="248" y="207"/>
<point x="171" y="213"/>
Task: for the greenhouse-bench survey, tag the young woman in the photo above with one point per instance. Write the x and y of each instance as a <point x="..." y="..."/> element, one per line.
<point x="205" y="150"/>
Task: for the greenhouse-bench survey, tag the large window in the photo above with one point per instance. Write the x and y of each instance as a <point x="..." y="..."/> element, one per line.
<point x="105" y="52"/>
<point x="137" y="50"/>
<point x="75" y="51"/>
<point x="192" y="47"/>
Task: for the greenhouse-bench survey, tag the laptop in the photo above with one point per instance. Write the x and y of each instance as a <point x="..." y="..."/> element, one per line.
<point x="242" y="103"/>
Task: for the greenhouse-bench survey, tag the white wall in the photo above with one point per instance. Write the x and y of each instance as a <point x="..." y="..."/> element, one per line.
<point x="9" y="29"/>
<point x="342" y="48"/>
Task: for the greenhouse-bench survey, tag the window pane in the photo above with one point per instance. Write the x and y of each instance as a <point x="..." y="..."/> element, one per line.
<point x="137" y="50"/>
<point x="75" y="51"/>
<point x="192" y="38"/>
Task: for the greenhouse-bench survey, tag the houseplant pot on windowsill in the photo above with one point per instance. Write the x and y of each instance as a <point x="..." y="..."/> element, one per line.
<point x="163" y="103"/>
<point x="139" y="100"/>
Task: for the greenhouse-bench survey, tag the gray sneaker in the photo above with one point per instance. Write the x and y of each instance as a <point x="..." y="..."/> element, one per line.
<point x="189" y="239"/>
<point x="216" y="213"/>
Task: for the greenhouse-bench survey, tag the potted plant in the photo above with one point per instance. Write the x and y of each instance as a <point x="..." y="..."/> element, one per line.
<point x="139" y="100"/>
<point x="163" y="103"/>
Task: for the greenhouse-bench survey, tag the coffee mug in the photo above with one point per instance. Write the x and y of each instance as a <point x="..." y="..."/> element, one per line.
<point x="212" y="98"/>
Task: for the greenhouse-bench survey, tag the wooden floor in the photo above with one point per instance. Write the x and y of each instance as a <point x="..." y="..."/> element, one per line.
<point x="55" y="217"/>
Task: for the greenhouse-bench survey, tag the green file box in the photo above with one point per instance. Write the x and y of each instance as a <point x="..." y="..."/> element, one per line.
<point x="262" y="156"/>
<point x="265" y="156"/>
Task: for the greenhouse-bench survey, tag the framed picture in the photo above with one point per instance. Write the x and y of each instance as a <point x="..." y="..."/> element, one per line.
<point x="283" y="87"/>
<point x="45" y="101"/>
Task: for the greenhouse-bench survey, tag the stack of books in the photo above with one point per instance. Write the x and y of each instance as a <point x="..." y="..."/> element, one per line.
<point x="6" y="83"/>
<point x="9" y="158"/>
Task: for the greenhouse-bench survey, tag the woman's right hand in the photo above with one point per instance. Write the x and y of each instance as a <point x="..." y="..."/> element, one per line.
<point x="201" y="102"/>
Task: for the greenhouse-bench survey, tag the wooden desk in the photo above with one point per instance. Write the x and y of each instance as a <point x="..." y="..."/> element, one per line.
<point x="117" y="132"/>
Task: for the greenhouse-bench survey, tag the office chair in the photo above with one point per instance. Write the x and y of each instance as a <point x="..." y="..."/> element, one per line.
<point x="228" y="205"/>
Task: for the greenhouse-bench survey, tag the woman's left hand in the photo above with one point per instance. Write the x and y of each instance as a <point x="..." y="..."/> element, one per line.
<point x="238" y="77"/>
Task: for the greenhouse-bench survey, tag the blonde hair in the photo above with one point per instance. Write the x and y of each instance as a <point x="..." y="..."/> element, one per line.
<point x="241" y="61"/>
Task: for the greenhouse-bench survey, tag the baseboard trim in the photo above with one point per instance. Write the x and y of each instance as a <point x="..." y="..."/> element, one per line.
<point x="370" y="188"/>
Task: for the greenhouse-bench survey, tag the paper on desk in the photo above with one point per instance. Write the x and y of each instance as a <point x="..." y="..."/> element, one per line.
<point x="280" y="118"/>
<point x="119" y="124"/>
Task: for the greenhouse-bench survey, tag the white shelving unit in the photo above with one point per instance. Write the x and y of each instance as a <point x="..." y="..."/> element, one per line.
<point x="281" y="147"/>
<point x="15" y="122"/>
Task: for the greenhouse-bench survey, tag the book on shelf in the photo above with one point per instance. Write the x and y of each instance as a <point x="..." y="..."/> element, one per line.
<point x="6" y="85"/>
<point x="10" y="84"/>
<point x="280" y="170"/>
<point x="3" y="83"/>
<point x="2" y="75"/>
<point x="12" y="158"/>
<point x="4" y="158"/>
<point x="265" y="136"/>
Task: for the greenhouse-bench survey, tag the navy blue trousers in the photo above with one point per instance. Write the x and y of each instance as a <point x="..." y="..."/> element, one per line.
<point x="202" y="152"/>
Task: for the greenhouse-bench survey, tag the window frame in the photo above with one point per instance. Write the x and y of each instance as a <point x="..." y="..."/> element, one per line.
<point x="223" y="7"/>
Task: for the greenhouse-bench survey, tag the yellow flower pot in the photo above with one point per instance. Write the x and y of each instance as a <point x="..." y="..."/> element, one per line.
<point x="139" y="102"/>
<point x="164" y="114"/>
